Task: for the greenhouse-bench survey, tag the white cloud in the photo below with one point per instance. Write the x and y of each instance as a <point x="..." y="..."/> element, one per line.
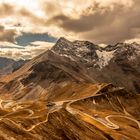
<point x="18" y="52"/>
<point x="100" y="21"/>
<point x="133" y="40"/>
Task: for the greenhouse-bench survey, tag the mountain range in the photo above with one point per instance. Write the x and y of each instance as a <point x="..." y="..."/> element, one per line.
<point x="74" y="91"/>
<point x="118" y="64"/>
<point x="8" y="65"/>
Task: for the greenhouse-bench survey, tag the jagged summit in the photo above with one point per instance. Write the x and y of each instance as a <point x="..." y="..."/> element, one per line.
<point x="62" y="39"/>
<point x="61" y="44"/>
<point x="91" y="53"/>
<point x="135" y="43"/>
<point x="122" y="45"/>
<point x="77" y="50"/>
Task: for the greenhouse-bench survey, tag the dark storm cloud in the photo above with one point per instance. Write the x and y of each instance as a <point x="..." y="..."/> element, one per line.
<point x="30" y="16"/>
<point x="51" y="8"/>
<point x="7" y="35"/>
<point x="84" y="23"/>
<point x="103" y="24"/>
<point x="109" y="23"/>
<point x="27" y="38"/>
<point x="6" y="9"/>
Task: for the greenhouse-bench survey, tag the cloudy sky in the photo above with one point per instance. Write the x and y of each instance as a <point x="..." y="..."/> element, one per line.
<point x="28" y="27"/>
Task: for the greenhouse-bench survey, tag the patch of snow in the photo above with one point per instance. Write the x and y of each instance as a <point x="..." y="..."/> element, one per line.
<point x="102" y="45"/>
<point x="68" y="56"/>
<point x="82" y="49"/>
<point x="65" y="55"/>
<point x="104" y="57"/>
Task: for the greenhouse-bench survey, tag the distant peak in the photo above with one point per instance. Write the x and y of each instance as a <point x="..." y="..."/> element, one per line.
<point x="62" y="39"/>
<point x="135" y="43"/>
<point x="62" y="43"/>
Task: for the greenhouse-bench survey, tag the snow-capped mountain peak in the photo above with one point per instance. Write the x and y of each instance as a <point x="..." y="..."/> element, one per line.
<point x="93" y="55"/>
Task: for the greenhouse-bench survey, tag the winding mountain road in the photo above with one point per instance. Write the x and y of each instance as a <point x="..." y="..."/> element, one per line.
<point x="107" y="122"/>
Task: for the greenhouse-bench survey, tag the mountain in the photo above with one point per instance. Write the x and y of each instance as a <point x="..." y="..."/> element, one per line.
<point x="118" y="64"/>
<point x="8" y="65"/>
<point x="74" y="91"/>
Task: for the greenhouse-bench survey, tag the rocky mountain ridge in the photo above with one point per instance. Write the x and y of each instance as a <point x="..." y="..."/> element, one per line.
<point x="111" y="62"/>
<point x="89" y="52"/>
